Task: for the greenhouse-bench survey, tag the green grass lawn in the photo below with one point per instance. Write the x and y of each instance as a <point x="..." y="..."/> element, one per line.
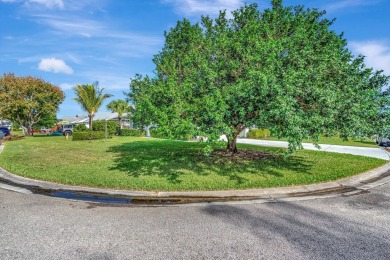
<point x="335" y="141"/>
<point x="151" y="164"/>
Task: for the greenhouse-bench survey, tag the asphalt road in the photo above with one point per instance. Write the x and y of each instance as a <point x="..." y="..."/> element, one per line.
<point x="39" y="227"/>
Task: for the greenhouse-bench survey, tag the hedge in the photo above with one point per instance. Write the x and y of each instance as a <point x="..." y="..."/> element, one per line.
<point x="157" y="133"/>
<point x="259" y="133"/>
<point x="80" y="128"/>
<point x="112" y="126"/>
<point x="131" y="132"/>
<point x="89" y="135"/>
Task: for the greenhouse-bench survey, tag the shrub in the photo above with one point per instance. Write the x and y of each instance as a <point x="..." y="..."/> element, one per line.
<point x="89" y="135"/>
<point x="80" y="128"/>
<point x="157" y="133"/>
<point x="15" y="127"/>
<point x="131" y="132"/>
<point x="112" y="126"/>
<point x="259" y="133"/>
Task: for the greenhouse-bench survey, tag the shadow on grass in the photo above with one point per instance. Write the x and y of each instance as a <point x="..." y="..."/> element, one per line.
<point x="365" y="142"/>
<point x="175" y="160"/>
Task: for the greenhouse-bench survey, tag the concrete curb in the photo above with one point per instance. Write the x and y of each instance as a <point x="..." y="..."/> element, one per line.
<point x="363" y="181"/>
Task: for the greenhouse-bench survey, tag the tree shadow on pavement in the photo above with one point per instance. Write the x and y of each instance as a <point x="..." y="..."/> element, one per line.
<point x="315" y="234"/>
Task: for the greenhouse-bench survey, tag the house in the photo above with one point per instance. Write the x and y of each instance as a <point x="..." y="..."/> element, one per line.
<point x="83" y="119"/>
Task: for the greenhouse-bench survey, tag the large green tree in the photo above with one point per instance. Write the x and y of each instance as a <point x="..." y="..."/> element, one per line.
<point x="283" y="68"/>
<point x="26" y="100"/>
<point x="46" y="121"/>
<point x="119" y="106"/>
<point x="90" y="97"/>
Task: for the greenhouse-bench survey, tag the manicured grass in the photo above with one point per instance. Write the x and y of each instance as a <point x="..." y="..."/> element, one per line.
<point x="335" y="141"/>
<point x="150" y="164"/>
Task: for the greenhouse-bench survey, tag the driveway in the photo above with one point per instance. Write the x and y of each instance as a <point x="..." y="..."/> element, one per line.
<point x="343" y="227"/>
<point x="364" y="151"/>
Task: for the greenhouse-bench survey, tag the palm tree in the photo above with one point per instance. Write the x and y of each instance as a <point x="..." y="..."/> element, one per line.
<point x="90" y="97"/>
<point x="121" y="107"/>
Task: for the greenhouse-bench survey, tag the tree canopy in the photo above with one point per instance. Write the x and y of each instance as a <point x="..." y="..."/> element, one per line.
<point x="283" y="69"/>
<point x="90" y="97"/>
<point x="46" y="121"/>
<point x="119" y="106"/>
<point x="26" y="100"/>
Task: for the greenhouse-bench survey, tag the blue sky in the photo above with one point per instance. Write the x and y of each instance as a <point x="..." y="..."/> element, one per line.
<point x="70" y="42"/>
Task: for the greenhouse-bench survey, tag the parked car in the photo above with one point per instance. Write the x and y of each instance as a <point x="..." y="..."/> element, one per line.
<point x="5" y="131"/>
<point x="67" y="129"/>
<point x="45" y="130"/>
<point x="384" y="141"/>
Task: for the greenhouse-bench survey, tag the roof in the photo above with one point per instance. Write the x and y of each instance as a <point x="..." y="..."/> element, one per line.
<point x="100" y="116"/>
<point x="73" y="119"/>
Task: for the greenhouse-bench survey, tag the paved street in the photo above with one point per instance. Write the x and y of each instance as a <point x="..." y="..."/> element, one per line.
<point x="39" y="227"/>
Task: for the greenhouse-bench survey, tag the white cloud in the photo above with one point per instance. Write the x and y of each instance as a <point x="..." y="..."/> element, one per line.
<point x="109" y="80"/>
<point x="67" y="86"/>
<point x="349" y="4"/>
<point x="72" y="25"/>
<point x="82" y="4"/>
<point x="61" y="4"/>
<point x="90" y="28"/>
<point x="48" y="3"/>
<point x="204" y="7"/>
<point x="55" y="65"/>
<point x="117" y="41"/>
<point x="377" y="54"/>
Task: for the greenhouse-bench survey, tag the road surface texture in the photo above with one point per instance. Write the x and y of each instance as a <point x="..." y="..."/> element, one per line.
<point x="343" y="227"/>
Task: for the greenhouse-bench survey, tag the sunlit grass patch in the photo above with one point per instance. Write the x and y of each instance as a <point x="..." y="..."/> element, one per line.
<point x="151" y="164"/>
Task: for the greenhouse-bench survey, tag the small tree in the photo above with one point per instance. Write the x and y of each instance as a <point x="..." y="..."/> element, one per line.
<point x="90" y="97"/>
<point x="80" y="128"/>
<point x="283" y="69"/>
<point x="27" y="100"/>
<point x="47" y="121"/>
<point x="119" y="106"/>
<point x="101" y="126"/>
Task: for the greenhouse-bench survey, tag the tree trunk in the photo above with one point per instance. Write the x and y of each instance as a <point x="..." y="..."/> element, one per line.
<point x="90" y="116"/>
<point x="120" y="122"/>
<point x="26" y="131"/>
<point x="232" y="139"/>
<point x="232" y="144"/>
<point x="30" y="129"/>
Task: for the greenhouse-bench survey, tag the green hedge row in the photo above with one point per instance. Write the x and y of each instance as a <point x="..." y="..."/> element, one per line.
<point x="157" y="133"/>
<point x="89" y="135"/>
<point x="130" y="132"/>
<point x="259" y="133"/>
<point x="112" y="126"/>
<point x="80" y="128"/>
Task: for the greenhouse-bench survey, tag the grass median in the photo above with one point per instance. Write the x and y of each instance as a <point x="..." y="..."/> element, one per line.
<point x="334" y="141"/>
<point x="152" y="164"/>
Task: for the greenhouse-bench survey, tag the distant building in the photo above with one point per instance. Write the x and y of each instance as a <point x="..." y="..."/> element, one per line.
<point x="83" y="119"/>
